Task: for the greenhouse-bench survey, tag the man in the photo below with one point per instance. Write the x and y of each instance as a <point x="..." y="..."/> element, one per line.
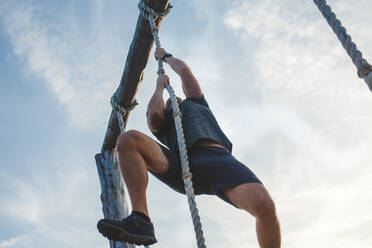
<point x="215" y="171"/>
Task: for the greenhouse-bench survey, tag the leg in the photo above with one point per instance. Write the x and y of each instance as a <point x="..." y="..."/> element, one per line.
<point x="254" y="198"/>
<point x="137" y="152"/>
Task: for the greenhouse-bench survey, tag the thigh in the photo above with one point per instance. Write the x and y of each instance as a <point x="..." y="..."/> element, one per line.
<point x="249" y="196"/>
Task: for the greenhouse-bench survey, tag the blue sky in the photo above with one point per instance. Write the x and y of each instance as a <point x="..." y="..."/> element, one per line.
<point x="276" y="77"/>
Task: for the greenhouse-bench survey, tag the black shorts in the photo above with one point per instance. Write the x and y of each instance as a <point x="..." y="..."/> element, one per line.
<point x="213" y="168"/>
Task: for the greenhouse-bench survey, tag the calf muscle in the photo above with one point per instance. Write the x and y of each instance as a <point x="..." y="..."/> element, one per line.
<point x="255" y="199"/>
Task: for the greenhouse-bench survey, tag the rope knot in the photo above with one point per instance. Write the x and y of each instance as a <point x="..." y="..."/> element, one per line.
<point x="177" y="113"/>
<point x="147" y="11"/>
<point x="118" y="108"/>
<point x="186" y="175"/>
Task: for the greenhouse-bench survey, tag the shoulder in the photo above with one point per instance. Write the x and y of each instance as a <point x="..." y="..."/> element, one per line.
<point x="201" y="100"/>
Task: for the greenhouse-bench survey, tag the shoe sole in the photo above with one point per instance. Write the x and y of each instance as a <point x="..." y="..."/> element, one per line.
<point x="116" y="233"/>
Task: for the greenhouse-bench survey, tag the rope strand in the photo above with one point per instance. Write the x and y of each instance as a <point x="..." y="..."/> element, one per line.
<point x="363" y="67"/>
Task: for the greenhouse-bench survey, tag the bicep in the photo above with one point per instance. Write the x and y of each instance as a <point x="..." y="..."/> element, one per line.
<point x="190" y="84"/>
<point x="155" y="121"/>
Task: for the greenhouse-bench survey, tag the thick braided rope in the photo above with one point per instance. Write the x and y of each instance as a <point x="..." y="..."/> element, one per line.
<point x="364" y="68"/>
<point x="121" y="111"/>
<point x="186" y="174"/>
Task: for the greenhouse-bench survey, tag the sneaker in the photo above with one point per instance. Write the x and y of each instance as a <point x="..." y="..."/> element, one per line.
<point x="132" y="230"/>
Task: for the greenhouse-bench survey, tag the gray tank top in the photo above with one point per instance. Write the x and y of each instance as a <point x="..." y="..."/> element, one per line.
<point x="198" y="123"/>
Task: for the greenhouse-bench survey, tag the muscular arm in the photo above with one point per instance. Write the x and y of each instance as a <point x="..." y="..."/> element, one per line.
<point x="190" y="84"/>
<point x="155" y="109"/>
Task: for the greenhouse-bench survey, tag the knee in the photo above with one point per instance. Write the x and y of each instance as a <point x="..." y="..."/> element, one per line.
<point x="265" y="209"/>
<point x="128" y="140"/>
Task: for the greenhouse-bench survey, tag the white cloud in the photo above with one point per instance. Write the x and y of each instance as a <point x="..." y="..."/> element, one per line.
<point x="19" y="241"/>
<point x="54" y="207"/>
<point x="295" y="50"/>
<point x="79" y="67"/>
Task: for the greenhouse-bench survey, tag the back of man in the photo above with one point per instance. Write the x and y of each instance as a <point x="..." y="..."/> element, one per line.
<point x="199" y="125"/>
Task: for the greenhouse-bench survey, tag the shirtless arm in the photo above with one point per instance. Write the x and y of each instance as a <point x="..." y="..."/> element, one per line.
<point x="190" y="84"/>
<point x="155" y="109"/>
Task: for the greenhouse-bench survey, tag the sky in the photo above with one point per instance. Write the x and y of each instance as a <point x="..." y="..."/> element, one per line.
<point x="277" y="79"/>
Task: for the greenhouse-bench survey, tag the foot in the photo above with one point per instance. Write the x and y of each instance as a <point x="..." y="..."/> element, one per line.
<point x="132" y="230"/>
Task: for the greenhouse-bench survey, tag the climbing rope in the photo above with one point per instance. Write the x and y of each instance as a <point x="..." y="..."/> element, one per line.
<point x="151" y="15"/>
<point x="121" y="111"/>
<point x="364" y="68"/>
